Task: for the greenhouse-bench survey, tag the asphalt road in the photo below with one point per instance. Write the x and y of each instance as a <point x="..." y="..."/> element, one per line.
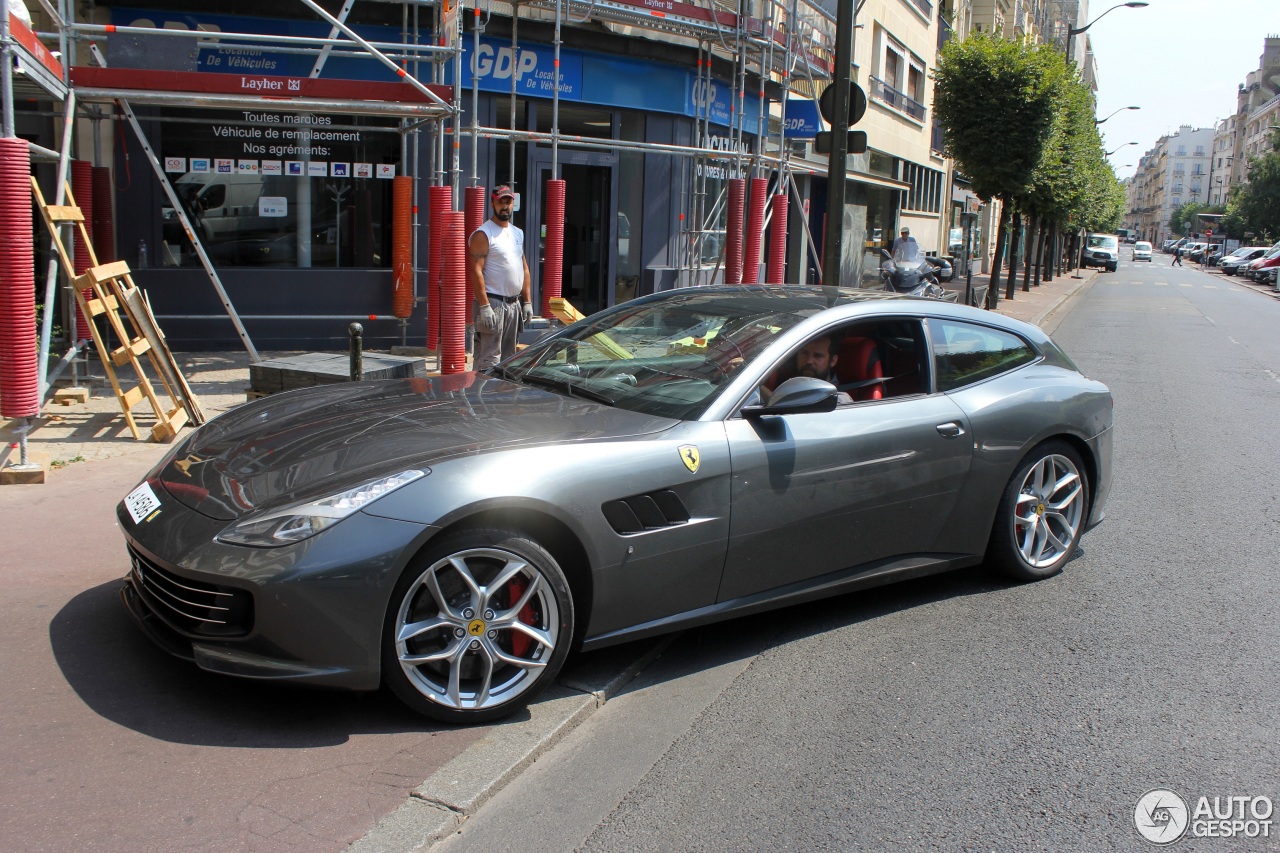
<point x="966" y="713"/>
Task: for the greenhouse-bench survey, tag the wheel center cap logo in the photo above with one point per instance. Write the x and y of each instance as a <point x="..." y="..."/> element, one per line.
<point x="476" y="627"/>
<point x="1039" y="509"/>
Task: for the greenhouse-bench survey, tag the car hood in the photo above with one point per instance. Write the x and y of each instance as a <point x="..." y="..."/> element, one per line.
<point x="318" y="441"/>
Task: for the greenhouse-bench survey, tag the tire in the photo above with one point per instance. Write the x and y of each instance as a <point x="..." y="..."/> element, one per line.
<point x="1042" y="514"/>
<point x="478" y="625"/>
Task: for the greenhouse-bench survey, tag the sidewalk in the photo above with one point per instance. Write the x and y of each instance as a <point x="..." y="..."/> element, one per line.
<point x="1038" y="304"/>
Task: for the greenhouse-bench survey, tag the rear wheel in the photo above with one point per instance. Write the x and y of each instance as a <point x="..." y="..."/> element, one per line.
<point x="478" y="625"/>
<point x="1042" y="514"/>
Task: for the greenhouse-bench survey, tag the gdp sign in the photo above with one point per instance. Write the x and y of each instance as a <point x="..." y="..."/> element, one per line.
<point x="532" y="66"/>
<point x="802" y="121"/>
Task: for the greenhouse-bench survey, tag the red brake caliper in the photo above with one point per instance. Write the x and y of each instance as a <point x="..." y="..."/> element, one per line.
<point x="520" y="643"/>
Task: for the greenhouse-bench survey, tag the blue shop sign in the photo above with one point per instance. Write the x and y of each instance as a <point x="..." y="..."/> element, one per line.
<point x="802" y="121"/>
<point x="256" y="58"/>
<point x="532" y="65"/>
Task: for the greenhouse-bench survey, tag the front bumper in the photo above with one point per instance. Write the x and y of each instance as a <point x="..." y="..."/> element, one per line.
<point x="317" y="607"/>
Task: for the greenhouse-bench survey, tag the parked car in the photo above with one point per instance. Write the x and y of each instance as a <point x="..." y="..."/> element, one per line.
<point x="1232" y="263"/>
<point x="1191" y="251"/>
<point x="1252" y="269"/>
<point x="1174" y="245"/>
<point x="1260" y="268"/>
<point x="1101" y="250"/>
<point x="1211" y="255"/>
<point x="454" y="536"/>
<point x="1142" y="251"/>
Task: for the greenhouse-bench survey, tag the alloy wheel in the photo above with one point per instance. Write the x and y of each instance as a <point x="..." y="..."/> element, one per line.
<point x="1048" y="511"/>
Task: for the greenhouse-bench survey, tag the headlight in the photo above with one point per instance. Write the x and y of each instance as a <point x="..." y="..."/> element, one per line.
<point x="302" y="521"/>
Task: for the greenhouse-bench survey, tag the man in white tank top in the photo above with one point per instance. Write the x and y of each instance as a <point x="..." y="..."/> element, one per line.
<point x="500" y="281"/>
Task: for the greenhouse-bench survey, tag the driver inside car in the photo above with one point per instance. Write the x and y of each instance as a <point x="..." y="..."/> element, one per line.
<point x="817" y="359"/>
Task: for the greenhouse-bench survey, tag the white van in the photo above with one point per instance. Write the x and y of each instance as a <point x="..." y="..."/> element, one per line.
<point x="1101" y="250"/>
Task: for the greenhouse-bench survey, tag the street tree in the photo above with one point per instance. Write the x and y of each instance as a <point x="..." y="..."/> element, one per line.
<point x="995" y="102"/>
<point x="1258" y="202"/>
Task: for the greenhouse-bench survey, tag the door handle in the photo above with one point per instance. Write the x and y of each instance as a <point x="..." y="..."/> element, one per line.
<point x="951" y="429"/>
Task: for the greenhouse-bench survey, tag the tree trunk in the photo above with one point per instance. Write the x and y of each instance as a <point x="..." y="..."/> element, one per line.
<point x="1014" y="239"/>
<point x="1042" y="235"/>
<point x="1051" y="235"/>
<point x="1033" y="258"/>
<point x="993" y="291"/>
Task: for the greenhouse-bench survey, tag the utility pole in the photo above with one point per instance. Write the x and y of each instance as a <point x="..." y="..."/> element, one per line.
<point x="842" y="74"/>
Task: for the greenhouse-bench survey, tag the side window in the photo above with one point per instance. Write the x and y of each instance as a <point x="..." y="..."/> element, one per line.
<point x="965" y="353"/>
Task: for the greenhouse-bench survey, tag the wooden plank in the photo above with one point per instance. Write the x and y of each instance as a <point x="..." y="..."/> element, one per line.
<point x="102" y="273"/>
<point x="129" y="352"/>
<point x="139" y="307"/>
<point x="61" y="213"/>
<point x="97" y="307"/>
<point x="133" y="396"/>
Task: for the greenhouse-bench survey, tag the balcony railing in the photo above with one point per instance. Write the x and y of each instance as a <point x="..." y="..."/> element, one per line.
<point x="882" y="91"/>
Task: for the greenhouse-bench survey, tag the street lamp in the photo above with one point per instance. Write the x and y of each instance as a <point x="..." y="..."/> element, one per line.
<point x="1122" y="109"/>
<point x="1072" y="32"/>
<point x="1114" y="150"/>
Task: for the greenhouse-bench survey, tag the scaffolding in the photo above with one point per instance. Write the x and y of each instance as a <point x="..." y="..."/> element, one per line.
<point x="775" y="49"/>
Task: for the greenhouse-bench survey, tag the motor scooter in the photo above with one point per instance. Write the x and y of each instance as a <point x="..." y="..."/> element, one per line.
<point x="908" y="272"/>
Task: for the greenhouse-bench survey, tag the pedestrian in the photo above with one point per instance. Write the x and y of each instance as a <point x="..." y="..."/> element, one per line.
<point x="905" y="247"/>
<point x="500" y="281"/>
<point x="1177" y="257"/>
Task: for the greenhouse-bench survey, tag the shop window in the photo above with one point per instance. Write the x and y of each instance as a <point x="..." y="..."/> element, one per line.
<point x="278" y="189"/>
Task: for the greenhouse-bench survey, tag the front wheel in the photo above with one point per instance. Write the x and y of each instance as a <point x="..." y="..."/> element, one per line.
<point x="1041" y="515"/>
<point x="478" y="625"/>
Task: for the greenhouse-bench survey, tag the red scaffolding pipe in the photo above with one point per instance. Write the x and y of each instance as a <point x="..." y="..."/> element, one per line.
<point x="733" y="232"/>
<point x="440" y="202"/>
<point x="758" y="190"/>
<point x="473" y="203"/>
<point x="453" y="293"/>
<point x="19" y="383"/>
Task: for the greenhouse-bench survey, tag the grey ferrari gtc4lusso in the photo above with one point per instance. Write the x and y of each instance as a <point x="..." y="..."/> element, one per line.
<point x="679" y="459"/>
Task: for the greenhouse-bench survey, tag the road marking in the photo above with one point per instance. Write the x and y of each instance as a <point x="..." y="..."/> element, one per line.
<point x="1184" y="285"/>
<point x="1211" y="287"/>
<point x="1233" y="340"/>
<point x="1161" y="284"/>
<point x="1271" y="374"/>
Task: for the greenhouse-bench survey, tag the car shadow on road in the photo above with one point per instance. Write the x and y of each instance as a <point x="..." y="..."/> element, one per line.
<point x="749" y="636"/>
<point x="120" y="675"/>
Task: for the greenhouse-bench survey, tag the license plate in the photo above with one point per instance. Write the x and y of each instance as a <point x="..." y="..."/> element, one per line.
<point x="141" y="502"/>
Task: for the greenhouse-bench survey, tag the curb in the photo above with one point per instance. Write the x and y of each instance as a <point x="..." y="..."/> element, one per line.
<point x="437" y="807"/>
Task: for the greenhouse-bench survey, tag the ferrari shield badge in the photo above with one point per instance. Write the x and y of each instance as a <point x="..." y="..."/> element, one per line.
<point x="689" y="456"/>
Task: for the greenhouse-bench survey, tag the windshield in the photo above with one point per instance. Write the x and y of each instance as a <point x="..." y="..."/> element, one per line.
<point x="1142" y="247"/>
<point x="1102" y="241"/>
<point x="666" y="355"/>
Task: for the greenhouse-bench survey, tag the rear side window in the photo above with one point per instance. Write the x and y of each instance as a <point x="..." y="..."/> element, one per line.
<point x="965" y="353"/>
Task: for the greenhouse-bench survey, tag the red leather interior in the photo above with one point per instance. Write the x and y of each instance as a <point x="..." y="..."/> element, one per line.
<point x="860" y="361"/>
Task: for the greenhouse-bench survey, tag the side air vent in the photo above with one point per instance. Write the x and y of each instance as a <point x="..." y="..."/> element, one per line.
<point x="651" y="511"/>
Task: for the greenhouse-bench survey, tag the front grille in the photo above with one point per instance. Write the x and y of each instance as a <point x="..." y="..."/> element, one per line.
<point x="194" y="608"/>
<point x="650" y="511"/>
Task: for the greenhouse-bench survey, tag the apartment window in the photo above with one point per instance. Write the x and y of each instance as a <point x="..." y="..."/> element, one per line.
<point x="1177" y="188"/>
<point x="901" y="81"/>
<point x="1182" y="151"/>
<point x="1195" y="189"/>
<point x="1199" y="150"/>
<point x="925" y="195"/>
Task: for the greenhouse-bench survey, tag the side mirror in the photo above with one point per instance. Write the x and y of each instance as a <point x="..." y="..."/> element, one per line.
<point x="798" y="395"/>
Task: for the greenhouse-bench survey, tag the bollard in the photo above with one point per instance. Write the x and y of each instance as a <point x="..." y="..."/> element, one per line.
<point x="356" y="331"/>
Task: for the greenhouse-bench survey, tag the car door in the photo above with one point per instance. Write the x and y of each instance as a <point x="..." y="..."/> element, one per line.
<point x="818" y="492"/>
